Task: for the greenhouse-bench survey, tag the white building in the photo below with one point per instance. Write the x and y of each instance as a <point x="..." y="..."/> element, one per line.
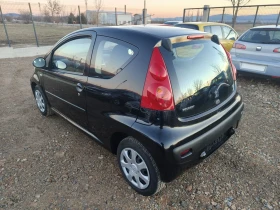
<point x="109" y="17"/>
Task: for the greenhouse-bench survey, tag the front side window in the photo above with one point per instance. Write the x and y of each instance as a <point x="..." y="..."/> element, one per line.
<point x="110" y="58"/>
<point x="217" y="30"/>
<point x="229" y="33"/>
<point x="71" y="56"/>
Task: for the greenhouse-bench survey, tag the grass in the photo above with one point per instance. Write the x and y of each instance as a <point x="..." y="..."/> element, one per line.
<point x="21" y="35"/>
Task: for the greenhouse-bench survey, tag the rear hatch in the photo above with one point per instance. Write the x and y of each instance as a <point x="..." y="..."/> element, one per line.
<point x="201" y="75"/>
<point x="258" y="44"/>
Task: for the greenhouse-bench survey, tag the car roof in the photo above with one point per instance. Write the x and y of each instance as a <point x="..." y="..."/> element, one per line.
<point x="268" y="26"/>
<point x="204" y="23"/>
<point x="160" y="32"/>
<point x="173" y="21"/>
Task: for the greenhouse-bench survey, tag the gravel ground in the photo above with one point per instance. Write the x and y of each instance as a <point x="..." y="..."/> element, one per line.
<point x="46" y="163"/>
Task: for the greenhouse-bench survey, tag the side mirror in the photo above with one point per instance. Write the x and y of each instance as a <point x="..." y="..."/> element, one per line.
<point x="233" y="39"/>
<point x="60" y="65"/>
<point x="39" y="62"/>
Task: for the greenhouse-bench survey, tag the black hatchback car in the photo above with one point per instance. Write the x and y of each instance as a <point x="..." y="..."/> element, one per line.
<point x="160" y="98"/>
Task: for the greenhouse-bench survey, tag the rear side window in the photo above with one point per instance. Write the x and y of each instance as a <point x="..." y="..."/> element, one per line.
<point x="190" y="26"/>
<point x="265" y="36"/>
<point x="203" y="74"/>
<point x="110" y="57"/>
<point x="207" y="29"/>
<point x="217" y="30"/>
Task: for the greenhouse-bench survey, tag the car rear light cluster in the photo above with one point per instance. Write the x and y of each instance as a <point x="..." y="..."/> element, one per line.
<point x="234" y="72"/>
<point x="157" y="92"/>
<point x="277" y="50"/>
<point x="239" y="46"/>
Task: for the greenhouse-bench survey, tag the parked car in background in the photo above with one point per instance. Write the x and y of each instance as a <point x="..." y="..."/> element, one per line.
<point x="160" y="98"/>
<point x="258" y="51"/>
<point x="172" y="22"/>
<point x="227" y="35"/>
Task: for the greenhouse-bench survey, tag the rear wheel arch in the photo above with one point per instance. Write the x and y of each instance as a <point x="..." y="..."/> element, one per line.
<point x="115" y="140"/>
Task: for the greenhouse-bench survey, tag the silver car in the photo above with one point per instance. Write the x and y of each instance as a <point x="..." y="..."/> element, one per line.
<point x="258" y="51"/>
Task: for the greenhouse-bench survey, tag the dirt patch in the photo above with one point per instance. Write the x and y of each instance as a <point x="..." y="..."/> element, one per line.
<point x="46" y="163"/>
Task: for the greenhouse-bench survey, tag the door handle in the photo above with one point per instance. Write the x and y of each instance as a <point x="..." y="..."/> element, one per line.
<point x="79" y="87"/>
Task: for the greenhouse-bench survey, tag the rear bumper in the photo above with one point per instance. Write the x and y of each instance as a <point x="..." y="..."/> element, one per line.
<point x="270" y="69"/>
<point x="204" y="145"/>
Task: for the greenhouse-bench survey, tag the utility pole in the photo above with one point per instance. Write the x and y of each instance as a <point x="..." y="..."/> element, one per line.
<point x="144" y="13"/>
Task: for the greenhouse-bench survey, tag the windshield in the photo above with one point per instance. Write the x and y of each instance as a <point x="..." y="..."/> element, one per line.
<point x="264" y="36"/>
<point x="203" y="74"/>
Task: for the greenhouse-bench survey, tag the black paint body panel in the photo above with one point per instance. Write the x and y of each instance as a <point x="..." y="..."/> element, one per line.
<point x="109" y="106"/>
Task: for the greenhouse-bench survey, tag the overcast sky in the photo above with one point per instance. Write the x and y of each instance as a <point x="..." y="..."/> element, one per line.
<point x="160" y="8"/>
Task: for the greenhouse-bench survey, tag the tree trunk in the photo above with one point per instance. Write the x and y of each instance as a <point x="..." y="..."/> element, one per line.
<point x="235" y="16"/>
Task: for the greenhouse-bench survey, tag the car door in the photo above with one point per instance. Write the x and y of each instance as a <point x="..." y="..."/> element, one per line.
<point x="110" y="57"/>
<point x="69" y="62"/>
<point x="229" y="37"/>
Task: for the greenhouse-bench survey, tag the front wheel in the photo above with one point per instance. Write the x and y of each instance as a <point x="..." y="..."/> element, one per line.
<point x="41" y="102"/>
<point x="138" y="167"/>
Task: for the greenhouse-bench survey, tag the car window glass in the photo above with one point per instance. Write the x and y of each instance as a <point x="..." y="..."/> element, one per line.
<point x="190" y="26"/>
<point x="274" y="34"/>
<point x="110" y="58"/>
<point x="229" y="33"/>
<point x="268" y="36"/>
<point x="72" y="55"/>
<point x="217" y="30"/>
<point x="207" y="29"/>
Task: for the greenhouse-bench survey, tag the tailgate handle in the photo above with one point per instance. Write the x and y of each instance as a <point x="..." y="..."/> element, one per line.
<point x="259" y="48"/>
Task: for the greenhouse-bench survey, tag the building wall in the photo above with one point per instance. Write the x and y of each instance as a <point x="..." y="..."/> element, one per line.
<point x="109" y="18"/>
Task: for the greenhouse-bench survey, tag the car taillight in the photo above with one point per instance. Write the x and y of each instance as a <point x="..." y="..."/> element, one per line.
<point x="239" y="46"/>
<point x="234" y="72"/>
<point x="195" y="37"/>
<point x="157" y="93"/>
<point x="277" y="50"/>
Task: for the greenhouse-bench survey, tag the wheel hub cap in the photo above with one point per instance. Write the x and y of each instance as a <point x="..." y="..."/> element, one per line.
<point x="40" y="101"/>
<point x="135" y="168"/>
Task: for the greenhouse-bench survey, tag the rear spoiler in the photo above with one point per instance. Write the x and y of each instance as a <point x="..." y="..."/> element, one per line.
<point x="167" y="43"/>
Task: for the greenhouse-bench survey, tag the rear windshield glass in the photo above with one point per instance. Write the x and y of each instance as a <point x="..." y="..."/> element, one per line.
<point x="204" y="76"/>
<point x="264" y="36"/>
<point x="190" y="26"/>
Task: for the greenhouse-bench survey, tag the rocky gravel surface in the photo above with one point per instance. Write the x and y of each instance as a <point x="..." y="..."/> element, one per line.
<point x="46" y="163"/>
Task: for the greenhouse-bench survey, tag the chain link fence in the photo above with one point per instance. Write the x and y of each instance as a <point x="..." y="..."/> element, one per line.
<point x="39" y="24"/>
<point x="248" y="16"/>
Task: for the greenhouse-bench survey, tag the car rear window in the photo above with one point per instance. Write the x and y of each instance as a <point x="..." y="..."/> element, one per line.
<point x="190" y="26"/>
<point x="204" y="76"/>
<point x="264" y="36"/>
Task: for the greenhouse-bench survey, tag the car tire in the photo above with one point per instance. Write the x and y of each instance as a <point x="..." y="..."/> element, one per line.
<point x="138" y="167"/>
<point x="42" y="102"/>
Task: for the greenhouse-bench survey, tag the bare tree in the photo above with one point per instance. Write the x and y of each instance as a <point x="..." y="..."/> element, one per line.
<point x="25" y="16"/>
<point x="236" y="6"/>
<point x="197" y="84"/>
<point x="98" y="6"/>
<point x="53" y="7"/>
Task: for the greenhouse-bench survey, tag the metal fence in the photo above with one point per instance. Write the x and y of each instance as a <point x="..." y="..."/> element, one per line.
<point x="24" y="24"/>
<point x="248" y="16"/>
